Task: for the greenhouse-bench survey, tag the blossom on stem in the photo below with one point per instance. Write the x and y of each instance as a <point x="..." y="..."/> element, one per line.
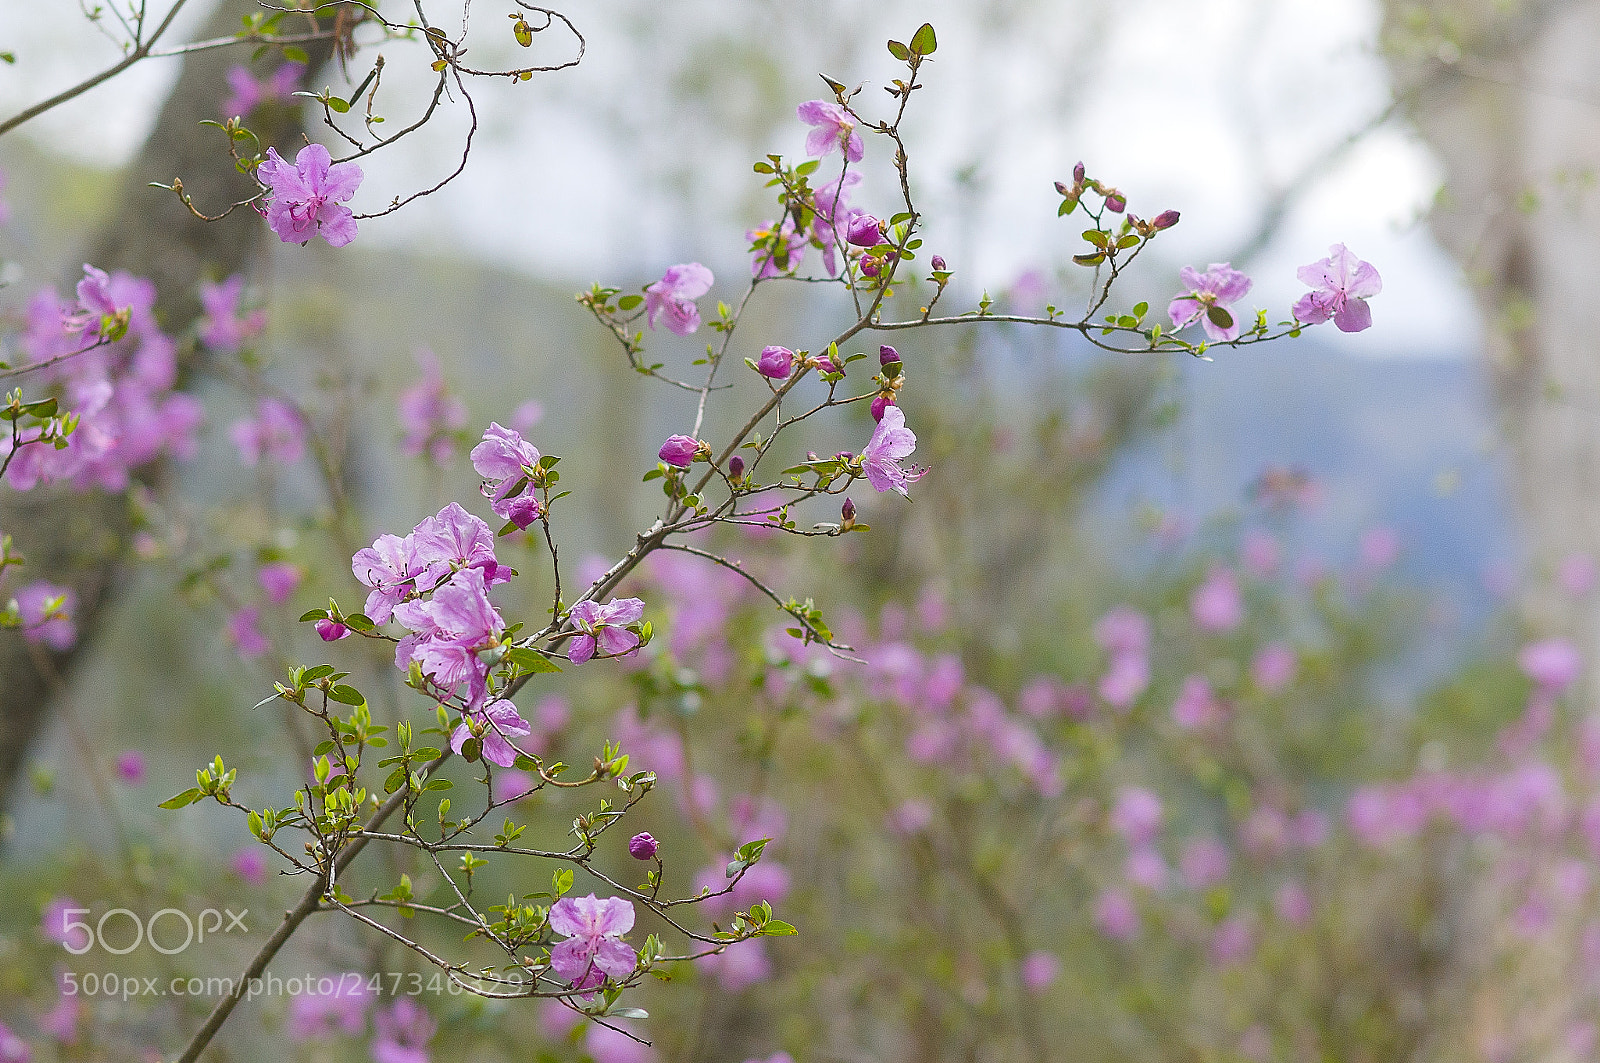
<point x="494" y="726"/>
<point x="833" y="129"/>
<point x="279" y="580"/>
<point x="401" y="1034"/>
<point x="777" y="248"/>
<point x="604" y="628"/>
<point x="593" y="949"/>
<point x="891" y="441"/>
<point x="448" y="632"/>
<point x="1341" y="285"/>
<point x="504" y="459"/>
<point x="642" y="847"/>
<point x="222" y="328"/>
<point x="1209" y="298"/>
<point x="775" y="362"/>
<point x="429" y="415"/>
<point x="277" y="433"/>
<point x="673" y="297"/>
<point x="47" y="611"/>
<point x="248" y="93"/>
<point x="244" y="633"/>
<point x="679" y="451"/>
<point x="307" y="198"/>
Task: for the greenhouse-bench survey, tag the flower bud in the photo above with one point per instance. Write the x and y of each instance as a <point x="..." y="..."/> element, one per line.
<point x="1116" y="202"/>
<point x="1165" y="220"/>
<point x="1077" y="173"/>
<point x="775" y="362"/>
<point x="1062" y="188"/>
<point x="938" y="264"/>
<point x="863" y="231"/>
<point x="869" y="267"/>
<point x="847" y="512"/>
<point x="887" y="355"/>
<point x="642" y="847"/>
<point x="331" y="630"/>
<point x="879" y="404"/>
<point x="679" y="451"/>
<point x="736" y="468"/>
<point x="523" y="510"/>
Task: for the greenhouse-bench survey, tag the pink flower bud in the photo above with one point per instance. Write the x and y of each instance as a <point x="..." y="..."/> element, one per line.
<point x="679" y="451"/>
<point x="869" y="267"/>
<point x="1078" y="173"/>
<point x="775" y="362"/>
<point x="1062" y="188"/>
<point x="642" y="847"/>
<point x="331" y="630"/>
<point x="736" y="468"/>
<point x="1116" y="202"/>
<point x="848" y="511"/>
<point x="863" y="231"/>
<point x="879" y="404"/>
<point x="130" y="767"/>
<point x="887" y="355"/>
<point x="1165" y="220"/>
<point x="523" y="510"/>
<point x="938" y="264"/>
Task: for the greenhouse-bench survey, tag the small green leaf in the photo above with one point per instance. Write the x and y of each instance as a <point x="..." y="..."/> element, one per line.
<point x="188" y="797"/>
<point x="347" y="695"/>
<point x="296" y="54"/>
<point x="1219" y="317"/>
<point x="924" y="42"/>
<point x="899" y="51"/>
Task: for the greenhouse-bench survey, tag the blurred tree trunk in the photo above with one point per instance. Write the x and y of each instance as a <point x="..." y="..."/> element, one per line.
<point x="79" y="540"/>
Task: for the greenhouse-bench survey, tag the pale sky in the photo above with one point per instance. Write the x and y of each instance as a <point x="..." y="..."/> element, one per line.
<point x="1190" y="102"/>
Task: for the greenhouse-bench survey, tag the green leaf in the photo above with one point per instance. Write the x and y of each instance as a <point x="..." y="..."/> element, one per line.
<point x="295" y="54"/>
<point x="628" y="302"/>
<point x="347" y="695"/>
<point x="1219" y="317"/>
<point x="899" y="51"/>
<point x="777" y="928"/>
<point x="924" y="42"/>
<point x="188" y="797"/>
<point x="337" y="105"/>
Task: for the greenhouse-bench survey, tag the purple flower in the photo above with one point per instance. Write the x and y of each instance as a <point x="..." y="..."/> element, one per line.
<point x="879" y="404"/>
<point x="1039" y="971"/>
<point x="604" y="628"/>
<point x="880" y="459"/>
<point x="1203" y="863"/>
<point x="495" y="726"/>
<point x="674" y="295"/>
<point x="250" y="865"/>
<point x="776" y="249"/>
<point x="775" y="362"/>
<point x="863" y="231"/>
<point x="454" y="539"/>
<point x="504" y="460"/>
<point x="278" y="580"/>
<point x="593" y="949"/>
<point x="448" y="632"/>
<point x="248" y="93"/>
<point x="13" y="1049"/>
<point x="1216" y="604"/>
<point x="1116" y="916"/>
<point x="45" y="619"/>
<point x="277" y="433"/>
<point x="61" y="1021"/>
<point x="334" y="1004"/>
<point x="429" y="415"/>
<point x="738" y="968"/>
<point x="1136" y="816"/>
<point x="244" y="633"/>
<point x="307" y="198"/>
<point x="1123" y="630"/>
<point x="387" y="567"/>
<point x="1274" y="667"/>
<point x="887" y="355"/>
<point x="1233" y="940"/>
<point x="221" y="327"/>
<point x="1196" y="706"/>
<point x="1342" y="285"/>
<point x="401" y="1034"/>
<point x="1146" y="867"/>
<point x="55" y="920"/>
<point x="831" y="202"/>
<point x="1293" y="904"/>
<point x="1553" y="663"/>
<point x="1209" y="296"/>
<point x="832" y="130"/>
<point x="642" y="847"/>
<point x="130" y="767"/>
<point x="679" y="451"/>
<point x="1125" y="680"/>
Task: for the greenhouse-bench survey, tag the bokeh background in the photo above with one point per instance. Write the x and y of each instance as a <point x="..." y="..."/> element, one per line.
<point x="1374" y="839"/>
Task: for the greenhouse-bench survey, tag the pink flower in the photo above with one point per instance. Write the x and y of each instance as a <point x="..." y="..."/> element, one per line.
<point x="495" y="727"/>
<point x="1116" y="916"/>
<point x="307" y="198"/>
<point x="250" y="865"/>
<point x="863" y="230"/>
<point x="1147" y="868"/>
<point x="1209" y="298"/>
<point x="740" y="966"/>
<point x="1196" y="706"/>
<point x="13" y="1049"/>
<point x="1260" y="554"/>
<point x="1233" y="941"/>
<point x="642" y="847"/>
<point x="604" y="628"/>
<point x="891" y="442"/>
<point x="1274" y="667"/>
<point x="47" y="613"/>
<point x="449" y="630"/>
<point x="1123" y="630"/>
<point x="221" y="327"/>
<point x="248" y="93"/>
<point x="506" y="462"/>
<point x="1136" y="815"/>
<point x="511" y="784"/>
<point x="775" y="362"/>
<point x="1125" y="680"/>
<point x="429" y="415"/>
<point x="1342" y="285"/>
<point x="1379" y="548"/>
<point x="1204" y="863"/>
<point x="61" y="1021"/>
<point x="613" y="1046"/>
<point x="832" y="130"/>
<point x="1577" y="574"/>
<point x="277" y="433"/>
<point x="1553" y="663"/>
<point x="331" y="630"/>
<point x="56" y="923"/>
<point x="244" y="633"/>
<point x="342" y="1008"/>
<point x="130" y="767"/>
<point x="1039" y="971"/>
<point x="1293" y="904"/>
<point x="679" y="451"/>
<point x="1216" y="604"/>
<point x="279" y="579"/>
<point x="593" y="949"/>
<point x="401" y="1034"/>
<point x="674" y="294"/>
<point x="776" y="248"/>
